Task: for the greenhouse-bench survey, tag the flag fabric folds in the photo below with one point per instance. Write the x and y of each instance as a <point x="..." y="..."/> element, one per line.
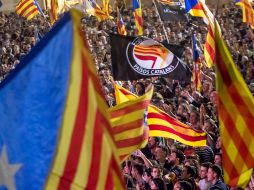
<point x="94" y="9"/>
<point x="137" y="11"/>
<point x="236" y="118"/>
<point x="27" y="9"/>
<point x="140" y="57"/>
<point x="162" y="125"/>
<point x="120" y="24"/>
<point x="196" y="72"/>
<point x="170" y="10"/>
<point x="105" y="6"/>
<point x="247" y="12"/>
<point x="194" y="8"/>
<point x="55" y="131"/>
<point x="129" y="129"/>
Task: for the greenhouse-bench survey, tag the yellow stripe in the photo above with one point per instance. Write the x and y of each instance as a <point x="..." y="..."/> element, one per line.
<point x="69" y="115"/>
<point x="189" y="132"/>
<point x="127" y="118"/>
<point x="133" y="133"/>
<point x="106" y="153"/>
<point x="197" y="13"/>
<point x="244" y="178"/>
<point x="32" y="15"/>
<point x="156" y="133"/>
<point x="83" y="169"/>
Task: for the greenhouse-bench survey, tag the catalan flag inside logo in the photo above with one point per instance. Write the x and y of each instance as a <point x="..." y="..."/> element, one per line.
<point x="27" y="9"/>
<point x="236" y="117"/>
<point x="162" y="125"/>
<point x="137" y="11"/>
<point x="55" y="131"/>
<point x="196" y="73"/>
<point x="128" y="126"/>
<point x="194" y="8"/>
<point x="248" y="12"/>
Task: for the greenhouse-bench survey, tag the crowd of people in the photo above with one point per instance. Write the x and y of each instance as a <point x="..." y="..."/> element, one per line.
<point x="164" y="163"/>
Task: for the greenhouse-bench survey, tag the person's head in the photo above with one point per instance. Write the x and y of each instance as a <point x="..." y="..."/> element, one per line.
<point x="187" y="172"/>
<point x="157" y="184"/>
<point x="137" y="170"/>
<point x="214" y="173"/>
<point x="147" y="175"/>
<point x="194" y="116"/>
<point x="218" y="143"/>
<point x="182" y="185"/>
<point x="218" y="159"/>
<point x="161" y="152"/>
<point x="204" y="169"/>
<point x="156" y="172"/>
<point x="176" y="157"/>
<point x="140" y="88"/>
<point x="153" y="142"/>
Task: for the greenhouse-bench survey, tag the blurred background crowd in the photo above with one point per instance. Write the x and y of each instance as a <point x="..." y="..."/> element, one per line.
<point x="164" y="163"/>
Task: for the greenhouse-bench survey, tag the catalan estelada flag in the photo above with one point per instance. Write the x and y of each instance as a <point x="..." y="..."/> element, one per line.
<point x="137" y="11"/>
<point x="162" y="125"/>
<point x="94" y="9"/>
<point x="27" y="9"/>
<point x="120" y="24"/>
<point x="247" y="12"/>
<point x="236" y="118"/>
<point x="127" y="118"/>
<point x="194" y="8"/>
<point x="196" y="71"/>
<point x="55" y="130"/>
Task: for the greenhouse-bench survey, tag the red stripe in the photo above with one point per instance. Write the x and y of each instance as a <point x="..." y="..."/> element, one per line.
<point x="147" y="52"/>
<point x="96" y="152"/>
<point x="210" y="51"/>
<point x="135" y="107"/>
<point x="138" y="19"/>
<point x="130" y="141"/>
<point x="78" y="131"/>
<point x="125" y="92"/>
<point x="169" y="119"/>
<point x="26" y="8"/>
<point x="180" y="135"/>
<point x="31" y="12"/>
<point x="128" y="126"/>
<point x="197" y="7"/>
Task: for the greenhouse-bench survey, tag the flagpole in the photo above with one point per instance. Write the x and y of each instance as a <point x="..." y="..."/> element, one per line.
<point x="164" y="29"/>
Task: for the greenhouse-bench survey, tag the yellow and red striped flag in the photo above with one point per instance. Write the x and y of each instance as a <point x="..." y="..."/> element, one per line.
<point x="247" y="11"/>
<point x="130" y="131"/>
<point x="27" y="9"/>
<point x="162" y="125"/>
<point x="86" y="155"/>
<point x="236" y="118"/>
<point x="94" y="9"/>
<point x="137" y="11"/>
<point x="120" y="24"/>
<point x="209" y="49"/>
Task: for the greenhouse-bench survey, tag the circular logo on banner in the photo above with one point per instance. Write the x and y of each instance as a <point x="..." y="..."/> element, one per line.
<point x="149" y="57"/>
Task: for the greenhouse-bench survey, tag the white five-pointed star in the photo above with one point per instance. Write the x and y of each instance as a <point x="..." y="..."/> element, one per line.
<point x="7" y="171"/>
